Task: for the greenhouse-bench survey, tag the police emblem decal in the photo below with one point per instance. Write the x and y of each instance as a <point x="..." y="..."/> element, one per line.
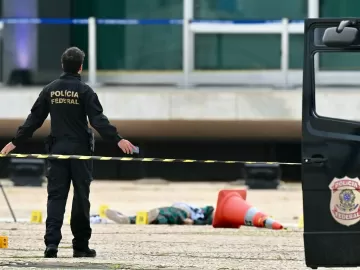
<point x="345" y="200"/>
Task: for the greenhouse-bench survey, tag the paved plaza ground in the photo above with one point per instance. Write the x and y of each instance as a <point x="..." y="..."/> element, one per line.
<point x="158" y="247"/>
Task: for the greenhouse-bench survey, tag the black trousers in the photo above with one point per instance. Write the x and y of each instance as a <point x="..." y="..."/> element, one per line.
<point x="60" y="173"/>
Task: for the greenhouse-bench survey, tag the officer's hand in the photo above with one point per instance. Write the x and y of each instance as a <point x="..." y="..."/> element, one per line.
<point x="126" y="146"/>
<point x="8" y="148"/>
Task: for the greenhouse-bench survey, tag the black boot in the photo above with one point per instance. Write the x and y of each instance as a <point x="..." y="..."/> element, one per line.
<point x="84" y="253"/>
<point x="51" y="251"/>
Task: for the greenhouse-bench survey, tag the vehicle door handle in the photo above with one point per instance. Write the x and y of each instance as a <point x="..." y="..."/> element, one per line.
<point x="316" y="159"/>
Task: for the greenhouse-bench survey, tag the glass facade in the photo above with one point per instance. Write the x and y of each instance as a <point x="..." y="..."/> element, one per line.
<point x="147" y="47"/>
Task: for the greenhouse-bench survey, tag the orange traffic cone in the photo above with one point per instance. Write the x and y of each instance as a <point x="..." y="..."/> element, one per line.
<point x="232" y="211"/>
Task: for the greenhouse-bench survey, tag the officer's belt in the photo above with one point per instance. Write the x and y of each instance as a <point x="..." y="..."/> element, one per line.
<point x="69" y="139"/>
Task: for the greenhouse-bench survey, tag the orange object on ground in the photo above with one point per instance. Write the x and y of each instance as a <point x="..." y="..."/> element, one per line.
<point x="232" y="211"/>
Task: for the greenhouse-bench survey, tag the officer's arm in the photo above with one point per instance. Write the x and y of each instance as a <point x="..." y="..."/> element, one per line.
<point x="97" y="119"/>
<point x="35" y="119"/>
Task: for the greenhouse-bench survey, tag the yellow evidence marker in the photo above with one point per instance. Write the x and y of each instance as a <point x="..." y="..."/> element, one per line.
<point x="301" y="222"/>
<point x="102" y="210"/>
<point x="142" y="218"/>
<point x="4" y="242"/>
<point x="36" y="217"/>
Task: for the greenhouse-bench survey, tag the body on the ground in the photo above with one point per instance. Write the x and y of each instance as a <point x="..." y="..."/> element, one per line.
<point x="179" y="213"/>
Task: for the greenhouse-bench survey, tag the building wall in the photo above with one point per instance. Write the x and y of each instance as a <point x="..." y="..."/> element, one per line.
<point x="144" y="47"/>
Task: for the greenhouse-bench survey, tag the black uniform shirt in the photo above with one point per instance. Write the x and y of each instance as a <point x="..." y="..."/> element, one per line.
<point x="69" y="101"/>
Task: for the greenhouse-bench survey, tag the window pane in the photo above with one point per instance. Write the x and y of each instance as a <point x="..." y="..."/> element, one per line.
<point x="148" y="47"/>
<point x="79" y="33"/>
<point x="336" y="8"/>
<point x="340" y="102"/>
<point x="245" y="52"/>
<point x="237" y="52"/>
<point x="339" y="61"/>
<point x="250" y="9"/>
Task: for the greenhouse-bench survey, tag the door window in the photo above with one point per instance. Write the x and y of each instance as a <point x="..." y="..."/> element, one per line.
<point x="343" y="100"/>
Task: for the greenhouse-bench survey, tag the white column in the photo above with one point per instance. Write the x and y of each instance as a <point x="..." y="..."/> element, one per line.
<point x="285" y="51"/>
<point x="313" y="9"/>
<point x="92" y="51"/>
<point x="314" y="12"/>
<point x="188" y="43"/>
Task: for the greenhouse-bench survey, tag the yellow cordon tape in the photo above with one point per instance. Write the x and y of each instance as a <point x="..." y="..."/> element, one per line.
<point x="168" y="160"/>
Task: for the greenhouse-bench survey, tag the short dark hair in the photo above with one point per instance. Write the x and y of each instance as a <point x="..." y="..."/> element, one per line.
<point x="72" y="59"/>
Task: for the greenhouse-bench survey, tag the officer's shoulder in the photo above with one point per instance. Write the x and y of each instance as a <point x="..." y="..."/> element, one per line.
<point x="87" y="89"/>
<point x="50" y="85"/>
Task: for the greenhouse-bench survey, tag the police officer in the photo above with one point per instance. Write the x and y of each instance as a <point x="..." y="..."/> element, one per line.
<point x="69" y="102"/>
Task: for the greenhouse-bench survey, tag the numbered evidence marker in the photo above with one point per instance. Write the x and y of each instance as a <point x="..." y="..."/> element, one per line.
<point x="102" y="210"/>
<point x="36" y="217"/>
<point x="301" y="222"/>
<point x="142" y="218"/>
<point x="4" y="242"/>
